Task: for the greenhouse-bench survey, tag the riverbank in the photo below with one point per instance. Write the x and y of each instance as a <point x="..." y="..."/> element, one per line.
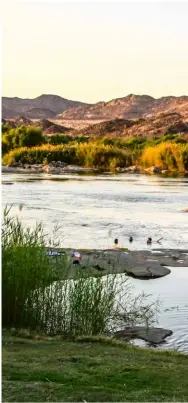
<point x="59" y="168"/>
<point x="88" y="369"/>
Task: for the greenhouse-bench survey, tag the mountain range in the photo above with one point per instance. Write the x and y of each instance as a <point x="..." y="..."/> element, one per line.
<point x="42" y="107"/>
<point x="129" y="107"/>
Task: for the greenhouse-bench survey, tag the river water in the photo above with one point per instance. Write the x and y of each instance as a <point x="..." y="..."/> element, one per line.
<point x="90" y="211"/>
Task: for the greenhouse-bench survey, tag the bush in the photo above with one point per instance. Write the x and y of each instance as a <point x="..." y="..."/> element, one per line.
<point x="95" y="154"/>
<point x="166" y="155"/>
<point x="31" y="137"/>
<point x="56" y="139"/>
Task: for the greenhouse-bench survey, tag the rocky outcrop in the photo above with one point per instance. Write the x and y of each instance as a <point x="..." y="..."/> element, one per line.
<point x="133" y="264"/>
<point x="152" y="335"/>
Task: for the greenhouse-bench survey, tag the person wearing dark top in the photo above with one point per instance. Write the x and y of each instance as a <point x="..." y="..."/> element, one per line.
<point x="149" y="241"/>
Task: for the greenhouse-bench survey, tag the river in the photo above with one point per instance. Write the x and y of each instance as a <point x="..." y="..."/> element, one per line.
<point x="90" y="211"/>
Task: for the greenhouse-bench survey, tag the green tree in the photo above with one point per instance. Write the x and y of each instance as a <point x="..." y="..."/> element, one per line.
<point x="30" y="137"/>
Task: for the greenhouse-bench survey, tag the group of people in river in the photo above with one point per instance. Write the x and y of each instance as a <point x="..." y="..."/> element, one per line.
<point x="149" y="241"/>
<point x="77" y="256"/>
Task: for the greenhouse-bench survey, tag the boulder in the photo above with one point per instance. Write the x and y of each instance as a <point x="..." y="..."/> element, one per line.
<point x="152" y="335"/>
<point x="50" y="169"/>
<point x="154" y="170"/>
<point x="134" y="169"/>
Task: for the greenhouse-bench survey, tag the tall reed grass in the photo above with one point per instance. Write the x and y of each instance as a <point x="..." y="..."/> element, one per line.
<point x="39" y="294"/>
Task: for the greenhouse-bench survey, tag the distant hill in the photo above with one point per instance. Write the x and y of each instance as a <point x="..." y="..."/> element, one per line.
<point x="129" y="107"/>
<point x="164" y="123"/>
<point x="43" y="107"/>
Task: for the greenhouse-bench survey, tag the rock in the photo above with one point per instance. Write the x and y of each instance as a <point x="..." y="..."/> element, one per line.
<point x="16" y="164"/>
<point x="130" y="263"/>
<point x="153" y="170"/>
<point x="134" y="168"/>
<point x="50" y="169"/>
<point x="152" y="335"/>
<point x="147" y="271"/>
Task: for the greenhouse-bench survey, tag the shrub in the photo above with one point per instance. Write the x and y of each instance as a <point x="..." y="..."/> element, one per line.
<point x="56" y="139"/>
<point x="30" y="137"/>
<point x="166" y="155"/>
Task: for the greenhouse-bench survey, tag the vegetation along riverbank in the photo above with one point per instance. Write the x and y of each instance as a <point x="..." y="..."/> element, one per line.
<point x="26" y="146"/>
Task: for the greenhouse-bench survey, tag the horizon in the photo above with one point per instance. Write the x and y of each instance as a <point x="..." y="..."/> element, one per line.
<point x="77" y="100"/>
<point x="94" y="52"/>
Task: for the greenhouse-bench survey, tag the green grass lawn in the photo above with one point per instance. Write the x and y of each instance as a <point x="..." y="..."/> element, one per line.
<point x="38" y="370"/>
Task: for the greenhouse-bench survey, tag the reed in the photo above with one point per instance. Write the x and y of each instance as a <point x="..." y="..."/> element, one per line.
<point x="39" y="293"/>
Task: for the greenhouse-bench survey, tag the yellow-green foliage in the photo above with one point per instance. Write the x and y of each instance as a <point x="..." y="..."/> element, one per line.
<point x="96" y="154"/>
<point x="88" y="154"/>
<point x="166" y="155"/>
<point x="36" y="155"/>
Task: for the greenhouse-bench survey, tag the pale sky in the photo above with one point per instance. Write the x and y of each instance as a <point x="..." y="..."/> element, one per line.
<point x="94" y="51"/>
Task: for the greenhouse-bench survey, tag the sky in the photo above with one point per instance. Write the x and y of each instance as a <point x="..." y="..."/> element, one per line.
<point x="94" y="50"/>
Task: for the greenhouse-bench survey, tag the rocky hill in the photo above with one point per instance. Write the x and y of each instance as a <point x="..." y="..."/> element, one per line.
<point x="47" y="126"/>
<point x="155" y="126"/>
<point x="164" y="123"/>
<point x="129" y="107"/>
<point x="43" y="107"/>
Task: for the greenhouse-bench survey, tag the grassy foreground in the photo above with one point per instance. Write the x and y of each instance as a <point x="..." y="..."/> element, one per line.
<point x="43" y="369"/>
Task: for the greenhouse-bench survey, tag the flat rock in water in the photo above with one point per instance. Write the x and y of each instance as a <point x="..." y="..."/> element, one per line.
<point x="123" y="262"/>
<point x="147" y="271"/>
<point x="152" y="335"/>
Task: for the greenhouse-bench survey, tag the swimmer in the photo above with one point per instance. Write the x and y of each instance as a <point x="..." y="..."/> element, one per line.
<point x="149" y="241"/>
<point x="116" y="243"/>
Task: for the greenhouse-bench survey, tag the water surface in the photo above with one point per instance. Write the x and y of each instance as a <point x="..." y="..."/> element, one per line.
<point x="92" y="210"/>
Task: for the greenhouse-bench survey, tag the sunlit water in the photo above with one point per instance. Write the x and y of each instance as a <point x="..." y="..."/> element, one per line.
<point x="91" y="211"/>
<point x="172" y="292"/>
